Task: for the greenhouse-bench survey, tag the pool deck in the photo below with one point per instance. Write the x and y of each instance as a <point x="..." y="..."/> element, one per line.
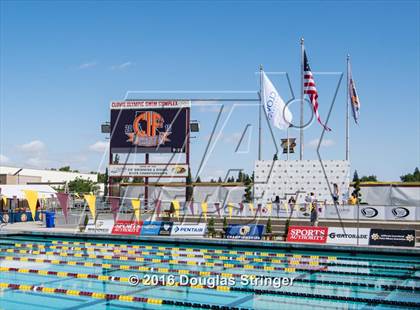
<point x="36" y="229"/>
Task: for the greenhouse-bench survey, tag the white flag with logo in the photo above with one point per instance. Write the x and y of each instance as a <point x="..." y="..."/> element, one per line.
<point x="277" y="112"/>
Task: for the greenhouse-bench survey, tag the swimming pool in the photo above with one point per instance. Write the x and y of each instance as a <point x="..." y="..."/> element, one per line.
<point x="52" y="273"/>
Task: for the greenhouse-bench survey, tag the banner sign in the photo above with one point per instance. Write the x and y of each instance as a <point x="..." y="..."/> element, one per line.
<point x="188" y="229"/>
<point x="248" y="232"/>
<point x="127" y="228"/>
<point x="307" y="234"/>
<point x="401" y="213"/>
<point x="148" y="170"/>
<point x="156" y="228"/>
<point x="367" y="212"/>
<point x="394" y="237"/>
<point x="165" y="104"/>
<point x="100" y="227"/>
<point x="348" y="235"/>
<point x="151" y="130"/>
<point x="165" y="228"/>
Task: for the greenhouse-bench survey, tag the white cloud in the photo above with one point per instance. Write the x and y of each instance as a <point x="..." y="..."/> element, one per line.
<point x="122" y="66"/>
<point x="4" y="159"/>
<point x="87" y="65"/>
<point x="34" y="146"/>
<point x="325" y="143"/>
<point x="37" y="162"/>
<point x="99" y="146"/>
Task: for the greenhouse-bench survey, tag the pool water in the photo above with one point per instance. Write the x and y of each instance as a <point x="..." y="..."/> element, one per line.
<point x="75" y="274"/>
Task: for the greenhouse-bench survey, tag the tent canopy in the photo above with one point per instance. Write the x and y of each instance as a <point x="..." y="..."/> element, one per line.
<point x="9" y="191"/>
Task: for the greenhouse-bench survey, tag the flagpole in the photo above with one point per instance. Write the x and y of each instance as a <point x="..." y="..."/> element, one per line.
<point x="347" y="111"/>
<point x="288" y="145"/>
<point x="302" y="49"/>
<point x="260" y="113"/>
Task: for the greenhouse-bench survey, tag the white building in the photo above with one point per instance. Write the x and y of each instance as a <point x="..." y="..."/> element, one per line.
<point x="29" y="175"/>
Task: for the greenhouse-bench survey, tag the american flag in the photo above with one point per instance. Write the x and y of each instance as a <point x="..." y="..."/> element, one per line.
<point x="354" y="99"/>
<point x="309" y="88"/>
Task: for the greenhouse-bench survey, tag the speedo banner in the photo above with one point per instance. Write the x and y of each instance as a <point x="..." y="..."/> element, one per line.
<point x="393" y="237"/>
<point x="248" y="232"/>
<point x="127" y="228"/>
<point x="149" y="130"/>
<point x="307" y="234"/>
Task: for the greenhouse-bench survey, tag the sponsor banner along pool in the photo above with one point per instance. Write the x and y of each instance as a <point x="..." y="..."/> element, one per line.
<point x="127" y="228"/>
<point x="188" y="229"/>
<point x="100" y="227"/>
<point x="156" y="228"/>
<point x="307" y="234"/>
<point x="248" y="232"/>
<point x="348" y="235"/>
<point x="393" y="237"/>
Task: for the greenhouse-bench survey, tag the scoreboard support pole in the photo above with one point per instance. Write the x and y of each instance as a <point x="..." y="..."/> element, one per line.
<point x="146" y="184"/>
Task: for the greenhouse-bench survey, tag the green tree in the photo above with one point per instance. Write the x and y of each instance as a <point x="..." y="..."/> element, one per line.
<point x="356" y="186"/>
<point x="198" y="180"/>
<point x="369" y="178"/>
<point x="219" y="180"/>
<point x="210" y="227"/>
<point x="269" y="229"/>
<point x="189" y="190"/>
<point x="248" y="190"/>
<point x="411" y="177"/>
<point x="240" y="177"/>
<point x="81" y="186"/>
<point x="65" y="169"/>
<point x="103" y="178"/>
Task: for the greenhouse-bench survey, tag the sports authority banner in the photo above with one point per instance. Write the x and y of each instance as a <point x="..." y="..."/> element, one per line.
<point x="393" y="237"/>
<point x="348" y="235"/>
<point x="188" y="229"/>
<point x="156" y="228"/>
<point x="138" y="104"/>
<point x="248" y="232"/>
<point x="148" y="170"/>
<point x="127" y="228"/>
<point x="149" y="130"/>
<point x="100" y="227"/>
<point x="307" y="234"/>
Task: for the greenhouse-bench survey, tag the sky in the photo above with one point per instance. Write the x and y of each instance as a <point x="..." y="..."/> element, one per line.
<point x="63" y="62"/>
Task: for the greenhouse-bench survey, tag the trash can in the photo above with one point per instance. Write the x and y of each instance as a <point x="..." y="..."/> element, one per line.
<point x="49" y="219"/>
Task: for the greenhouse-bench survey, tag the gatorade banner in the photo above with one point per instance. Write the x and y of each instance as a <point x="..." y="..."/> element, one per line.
<point x="248" y="232"/>
<point x="348" y="235"/>
<point x="307" y="234"/>
<point x="127" y="228"/>
<point x="393" y="237"/>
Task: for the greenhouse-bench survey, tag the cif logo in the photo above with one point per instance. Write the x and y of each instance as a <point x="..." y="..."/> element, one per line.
<point x="147" y="130"/>
<point x="369" y="212"/>
<point x="152" y="122"/>
<point x="244" y="230"/>
<point x="400" y="212"/>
